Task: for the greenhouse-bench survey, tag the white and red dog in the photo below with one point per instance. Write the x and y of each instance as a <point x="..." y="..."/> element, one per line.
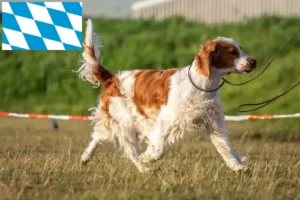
<point x="161" y="106"/>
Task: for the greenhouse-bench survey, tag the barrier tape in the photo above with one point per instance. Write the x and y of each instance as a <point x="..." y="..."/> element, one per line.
<point x="257" y="117"/>
<point x="84" y="118"/>
<point x="42" y="116"/>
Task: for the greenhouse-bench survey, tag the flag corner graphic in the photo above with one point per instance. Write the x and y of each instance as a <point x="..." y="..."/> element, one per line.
<point x="41" y="25"/>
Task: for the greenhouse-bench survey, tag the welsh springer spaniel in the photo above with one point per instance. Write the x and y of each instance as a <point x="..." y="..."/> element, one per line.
<point x="161" y="106"/>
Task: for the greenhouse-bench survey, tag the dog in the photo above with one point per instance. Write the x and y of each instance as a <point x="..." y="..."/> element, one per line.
<point x="161" y="106"/>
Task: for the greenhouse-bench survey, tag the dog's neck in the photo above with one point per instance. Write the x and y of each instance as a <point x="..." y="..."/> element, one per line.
<point x="206" y="83"/>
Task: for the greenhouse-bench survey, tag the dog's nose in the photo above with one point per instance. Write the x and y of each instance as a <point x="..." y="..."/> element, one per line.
<point x="252" y="62"/>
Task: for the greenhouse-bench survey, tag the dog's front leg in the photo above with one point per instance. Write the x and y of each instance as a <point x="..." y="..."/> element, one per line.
<point x="219" y="137"/>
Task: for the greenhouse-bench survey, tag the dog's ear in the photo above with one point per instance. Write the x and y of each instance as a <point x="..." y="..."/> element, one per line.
<point x="204" y="57"/>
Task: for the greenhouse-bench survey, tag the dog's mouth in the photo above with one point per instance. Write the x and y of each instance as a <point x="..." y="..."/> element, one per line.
<point x="244" y="71"/>
<point x="247" y="71"/>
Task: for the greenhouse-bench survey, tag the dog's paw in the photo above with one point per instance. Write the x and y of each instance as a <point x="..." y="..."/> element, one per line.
<point x="151" y="170"/>
<point x="145" y="158"/>
<point x="84" y="162"/>
<point x="144" y="170"/>
<point x="243" y="158"/>
<point x="244" y="169"/>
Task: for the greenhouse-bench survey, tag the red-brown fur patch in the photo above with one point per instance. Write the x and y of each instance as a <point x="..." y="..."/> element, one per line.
<point x="219" y="54"/>
<point x="109" y="81"/>
<point x="110" y="89"/>
<point x="204" y="57"/>
<point x="99" y="71"/>
<point x="225" y="55"/>
<point x="151" y="89"/>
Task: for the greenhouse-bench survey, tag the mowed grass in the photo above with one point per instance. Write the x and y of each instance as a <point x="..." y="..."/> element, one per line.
<point x="37" y="162"/>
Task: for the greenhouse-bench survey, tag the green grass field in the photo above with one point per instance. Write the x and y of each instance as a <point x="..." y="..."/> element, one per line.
<point x="39" y="163"/>
<point x="42" y="81"/>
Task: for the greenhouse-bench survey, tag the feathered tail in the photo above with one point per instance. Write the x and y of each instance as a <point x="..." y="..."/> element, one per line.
<point x="91" y="68"/>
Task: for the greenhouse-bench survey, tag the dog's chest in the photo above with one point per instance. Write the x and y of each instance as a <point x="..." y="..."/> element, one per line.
<point x="196" y="114"/>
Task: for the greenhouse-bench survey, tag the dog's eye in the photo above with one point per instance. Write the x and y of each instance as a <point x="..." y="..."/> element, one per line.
<point x="233" y="52"/>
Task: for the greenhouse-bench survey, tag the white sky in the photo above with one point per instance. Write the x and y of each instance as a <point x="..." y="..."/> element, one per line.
<point x="107" y="8"/>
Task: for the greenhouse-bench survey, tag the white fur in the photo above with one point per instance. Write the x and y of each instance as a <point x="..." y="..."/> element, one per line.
<point x="187" y="110"/>
<point x="91" y="40"/>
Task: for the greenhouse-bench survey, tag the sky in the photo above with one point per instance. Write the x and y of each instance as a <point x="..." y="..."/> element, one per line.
<point x="107" y="8"/>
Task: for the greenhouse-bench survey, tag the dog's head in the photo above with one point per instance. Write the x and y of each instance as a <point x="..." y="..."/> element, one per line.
<point x="224" y="55"/>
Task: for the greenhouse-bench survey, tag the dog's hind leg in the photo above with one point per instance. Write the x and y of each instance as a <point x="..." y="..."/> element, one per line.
<point x="131" y="147"/>
<point x="90" y="150"/>
<point x="126" y="133"/>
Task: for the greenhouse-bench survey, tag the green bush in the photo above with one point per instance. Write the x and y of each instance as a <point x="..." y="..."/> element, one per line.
<point x="42" y="81"/>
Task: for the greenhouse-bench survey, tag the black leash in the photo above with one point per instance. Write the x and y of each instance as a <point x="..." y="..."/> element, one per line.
<point x="264" y="103"/>
<point x="194" y="84"/>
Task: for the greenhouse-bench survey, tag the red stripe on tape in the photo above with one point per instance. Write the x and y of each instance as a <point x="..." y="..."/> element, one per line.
<point x="253" y="117"/>
<point x="4" y="113"/>
<point x="41" y="116"/>
<point x="78" y="117"/>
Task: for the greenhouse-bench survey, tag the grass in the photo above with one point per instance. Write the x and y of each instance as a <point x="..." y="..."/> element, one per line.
<point x="37" y="162"/>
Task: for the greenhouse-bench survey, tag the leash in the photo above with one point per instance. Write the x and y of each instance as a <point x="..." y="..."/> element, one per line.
<point x="194" y="84"/>
<point x="261" y="104"/>
<point x="264" y="103"/>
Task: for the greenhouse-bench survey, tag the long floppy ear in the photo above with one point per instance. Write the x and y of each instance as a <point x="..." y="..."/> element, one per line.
<point x="204" y="58"/>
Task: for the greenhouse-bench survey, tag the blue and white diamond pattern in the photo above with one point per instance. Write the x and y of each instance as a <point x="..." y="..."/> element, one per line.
<point x="41" y="25"/>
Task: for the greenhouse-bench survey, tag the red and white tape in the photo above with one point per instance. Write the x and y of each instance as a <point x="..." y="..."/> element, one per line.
<point x="256" y="117"/>
<point x="42" y="116"/>
<point x="72" y="117"/>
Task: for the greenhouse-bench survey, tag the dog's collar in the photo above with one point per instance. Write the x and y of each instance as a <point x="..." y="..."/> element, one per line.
<point x="194" y="84"/>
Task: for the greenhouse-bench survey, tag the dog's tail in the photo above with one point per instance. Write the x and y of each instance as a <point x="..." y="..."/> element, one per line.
<point x="91" y="68"/>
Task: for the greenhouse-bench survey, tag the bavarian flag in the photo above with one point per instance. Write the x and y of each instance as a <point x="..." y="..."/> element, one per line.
<point x="41" y="25"/>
